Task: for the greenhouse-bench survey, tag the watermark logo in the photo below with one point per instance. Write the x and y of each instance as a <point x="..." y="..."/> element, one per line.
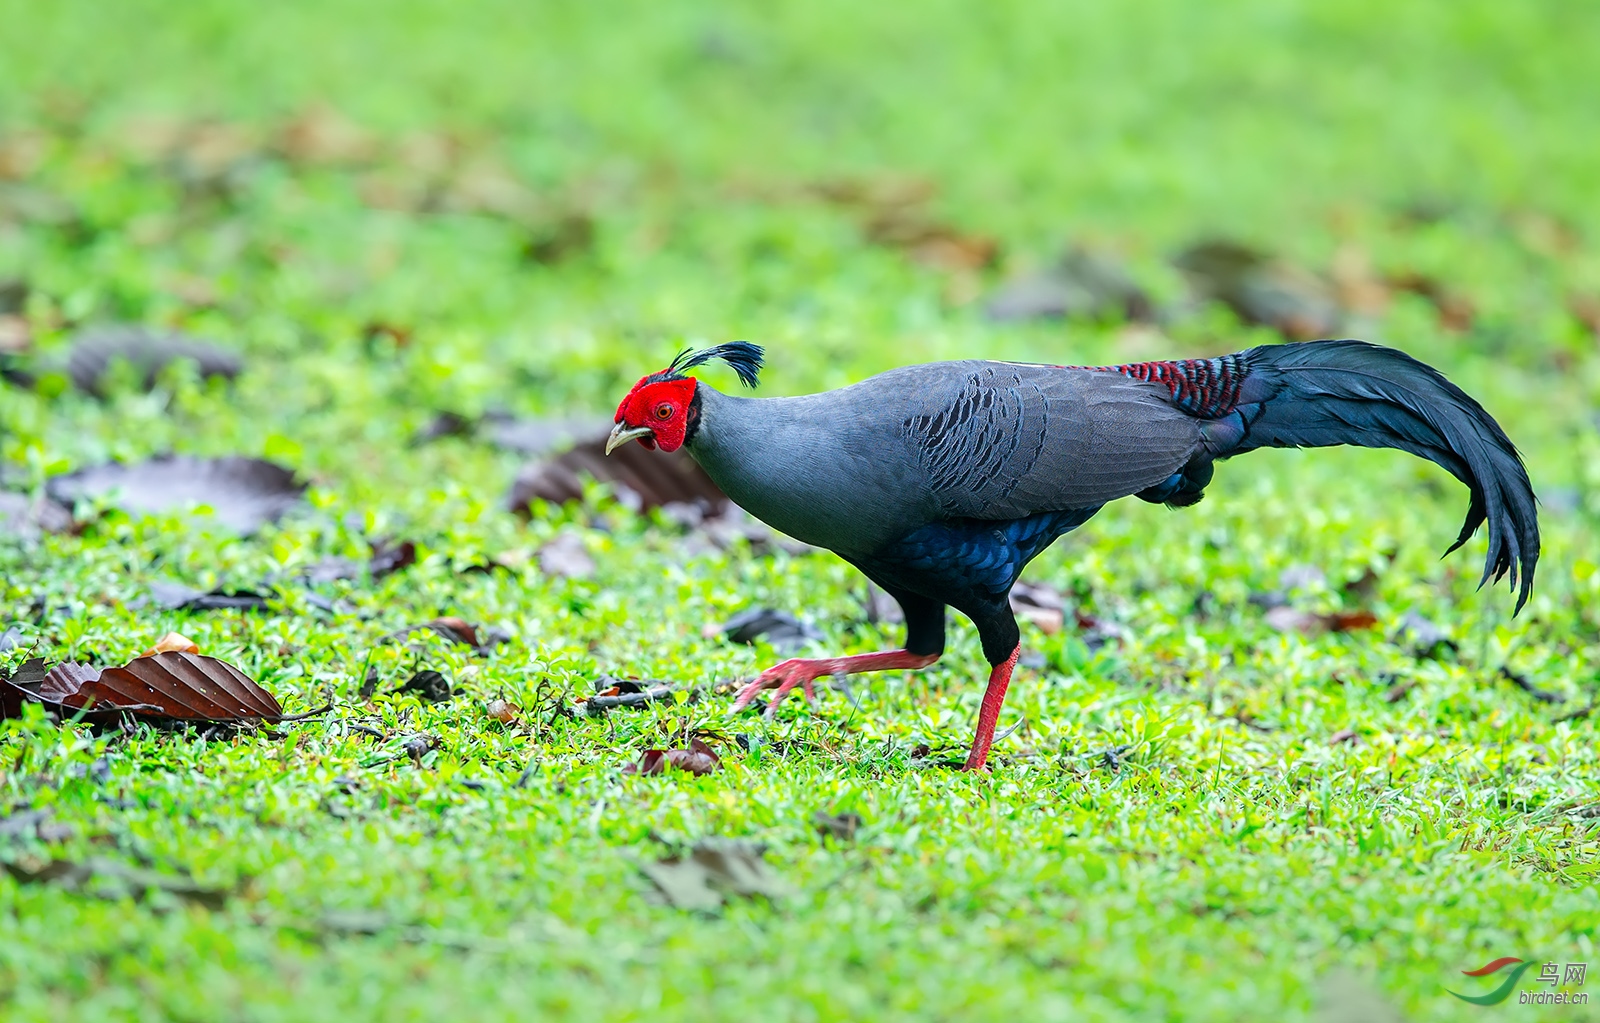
<point x="1550" y="974"/>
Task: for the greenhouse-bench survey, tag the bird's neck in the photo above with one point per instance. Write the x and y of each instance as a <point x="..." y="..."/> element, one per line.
<point x="691" y="422"/>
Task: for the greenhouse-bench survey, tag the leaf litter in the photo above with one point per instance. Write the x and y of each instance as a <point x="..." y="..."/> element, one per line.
<point x="243" y="493"/>
<point x="715" y="871"/>
<point x="174" y="685"/>
<point x="97" y="349"/>
<point x="697" y="759"/>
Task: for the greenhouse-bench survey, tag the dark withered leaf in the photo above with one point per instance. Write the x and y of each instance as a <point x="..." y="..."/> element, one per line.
<point x="26" y="518"/>
<point x="387" y="558"/>
<point x="1285" y="618"/>
<point x="177" y="597"/>
<point x="715" y="870"/>
<point x="1261" y="289"/>
<point x="1528" y="686"/>
<point x="566" y="557"/>
<point x="429" y="685"/>
<point x="1083" y="283"/>
<point x="1422" y="636"/>
<point x="640" y="478"/>
<point x="443" y="424"/>
<point x="109" y="879"/>
<point x="148" y="350"/>
<point x="244" y="493"/>
<point x="697" y="759"/>
<point x="779" y="628"/>
<point x="880" y="607"/>
<point x="842" y="826"/>
<point x="482" y="640"/>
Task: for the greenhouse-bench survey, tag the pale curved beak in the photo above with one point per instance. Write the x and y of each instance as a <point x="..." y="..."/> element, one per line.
<point x="621" y="434"/>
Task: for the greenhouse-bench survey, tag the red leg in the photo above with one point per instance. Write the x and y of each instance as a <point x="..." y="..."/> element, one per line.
<point x="801" y="671"/>
<point x="989" y="713"/>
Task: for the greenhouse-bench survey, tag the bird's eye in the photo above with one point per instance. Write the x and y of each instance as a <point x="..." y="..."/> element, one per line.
<point x="663" y="411"/>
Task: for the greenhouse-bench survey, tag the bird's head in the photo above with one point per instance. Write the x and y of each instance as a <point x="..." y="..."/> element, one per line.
<point x="663" y="409"/>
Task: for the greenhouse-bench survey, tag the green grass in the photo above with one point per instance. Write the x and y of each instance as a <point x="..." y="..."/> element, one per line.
<point x="1237" y="858"/>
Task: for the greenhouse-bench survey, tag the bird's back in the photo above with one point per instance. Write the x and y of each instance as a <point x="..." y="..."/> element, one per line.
<point x="858" y="467"/>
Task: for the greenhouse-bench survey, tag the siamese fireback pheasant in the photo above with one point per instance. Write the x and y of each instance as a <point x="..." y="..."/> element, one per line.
<point x="941" y="481"/>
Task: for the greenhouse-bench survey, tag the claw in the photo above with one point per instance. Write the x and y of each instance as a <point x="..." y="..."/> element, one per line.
<point x="783" y="677"/>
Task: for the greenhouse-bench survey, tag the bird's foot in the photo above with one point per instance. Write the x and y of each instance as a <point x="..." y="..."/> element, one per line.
<point x="803" y="671"/>
<point x="784" y="677"/>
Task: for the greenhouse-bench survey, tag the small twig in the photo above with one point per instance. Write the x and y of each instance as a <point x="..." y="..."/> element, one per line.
<point x="1525" y="684"/>
<point x="1576" y="715"/>
<point x="1003" y="736"/>
<point x="281" y="718"/>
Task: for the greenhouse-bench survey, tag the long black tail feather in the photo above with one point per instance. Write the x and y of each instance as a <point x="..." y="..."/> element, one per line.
<point x="1322" y="393"/>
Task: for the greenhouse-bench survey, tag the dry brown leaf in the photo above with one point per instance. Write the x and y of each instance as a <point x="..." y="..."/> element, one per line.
<point x="503" y="711"/>
<point x="173" y="643"/>
<point x="697" y="759"/>
<point x="163" y="687"/>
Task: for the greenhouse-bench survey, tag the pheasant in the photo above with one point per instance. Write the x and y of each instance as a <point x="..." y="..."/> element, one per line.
<point x="941" y="481"/>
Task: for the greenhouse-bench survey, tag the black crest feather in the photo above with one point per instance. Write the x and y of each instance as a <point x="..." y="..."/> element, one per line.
<point x="744" y="357"/>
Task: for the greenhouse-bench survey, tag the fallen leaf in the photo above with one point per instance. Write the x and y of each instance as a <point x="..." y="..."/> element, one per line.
<point x="15" y="335"/>
<point x="1585" y="309"/>
<point x="35" y="824"/>
<point x="172" y="643"/>
<point x="1098" y="632"/>
<point x="147" y="349"/>
<point x="1397" y="692"/>
<point x="429" y="685"/>
<point x="881" y="608"/>
<point x="928" y="241"/>
<point x="243" y="493"/>
<point x="179" y="687"/>
<point x="1082" y="284"/>
<point x="1344" y="735"/>
<point x="715" y="870"/>
<point x="108" y="879"/>
<point x="697" y="759"/>
<point x="566" y="557"/>
<point x="782" y="630"/>
<point x="1456" y="311"/>
<point x="732" y="525"/>
<point x="1261" y="289"/>
<point x="502" y="711"/>
<point x="321" y="136"/>
<point x="842" y="826"/>
<point x="551" y="239"/>
<point x="177" y="597"/>
<point x="27" y="518"/>
<point x="1290" y="619"/>
<point x="640" y="479"/>
<point x="456" y="630"/>
<point x="1040" y="605"/>
<point x="1423" y="636"/>
<point x="386" y="559"/>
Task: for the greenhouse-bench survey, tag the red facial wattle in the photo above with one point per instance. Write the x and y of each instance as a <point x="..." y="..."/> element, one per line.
<point x="663" y="407"/>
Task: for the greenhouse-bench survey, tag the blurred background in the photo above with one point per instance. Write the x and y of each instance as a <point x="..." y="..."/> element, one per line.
<point x="390" y="210"/>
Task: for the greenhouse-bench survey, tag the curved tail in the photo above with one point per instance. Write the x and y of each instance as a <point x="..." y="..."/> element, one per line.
<point x="1321" y="393"/>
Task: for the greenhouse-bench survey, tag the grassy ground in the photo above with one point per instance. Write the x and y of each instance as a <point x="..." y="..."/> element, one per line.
<point x="531" y="208"/>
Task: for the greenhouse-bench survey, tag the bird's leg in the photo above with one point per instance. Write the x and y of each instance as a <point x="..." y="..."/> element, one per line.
<point x="801" y="671"/>
<point x="989" y="713"/>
